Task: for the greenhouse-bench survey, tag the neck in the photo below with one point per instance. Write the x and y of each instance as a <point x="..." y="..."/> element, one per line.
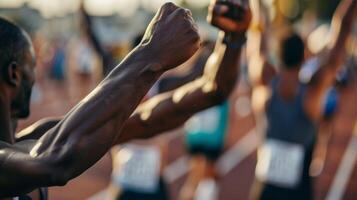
<point x="6" y="132"/>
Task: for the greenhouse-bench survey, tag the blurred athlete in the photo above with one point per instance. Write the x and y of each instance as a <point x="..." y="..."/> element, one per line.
<point x="288" y="111"/>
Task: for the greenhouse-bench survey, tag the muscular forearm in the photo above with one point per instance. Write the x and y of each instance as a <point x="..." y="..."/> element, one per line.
<point x="86" y="133"/>
<point x="223" y="72"/>
<point x="170" y="110"/>
<point x="173" y="82"/>
<point x="98" y="117"/>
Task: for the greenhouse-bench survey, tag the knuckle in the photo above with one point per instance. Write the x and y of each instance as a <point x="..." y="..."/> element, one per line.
<point x="181" y="11"/>
<point x="188" y="12"/>
<point x="168" y="5"/>
<point x="196" y="37"/>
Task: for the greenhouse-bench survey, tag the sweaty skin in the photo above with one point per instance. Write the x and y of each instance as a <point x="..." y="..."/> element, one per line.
<point x="86" y="133"/>
<point x="169" y="110"/>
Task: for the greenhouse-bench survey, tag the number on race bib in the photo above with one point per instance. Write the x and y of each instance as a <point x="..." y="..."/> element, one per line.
<point x="280" y="163"/>
<point x="138" y="168"/>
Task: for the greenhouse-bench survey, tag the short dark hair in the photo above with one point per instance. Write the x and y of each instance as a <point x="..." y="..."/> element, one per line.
<point x="291" y="50"/>
<point x="14" y="43"/>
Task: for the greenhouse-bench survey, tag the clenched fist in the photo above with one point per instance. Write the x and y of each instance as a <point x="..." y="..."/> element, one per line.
<point x="171" y="37"/>
<point x="229" y="16"/>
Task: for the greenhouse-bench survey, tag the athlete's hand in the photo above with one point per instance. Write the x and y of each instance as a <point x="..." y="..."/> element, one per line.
<point x="229" y="16"/>
<point x="171" y="37"/>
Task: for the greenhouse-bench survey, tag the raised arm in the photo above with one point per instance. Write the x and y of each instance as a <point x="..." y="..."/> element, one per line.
<point x="87" y="132"/>
<point x="87" y="23"/>
<point x="332" y="59"/>
<point x="169" y="83"/>
<point x="260" y="71"/>
<point x="170" y="110"/>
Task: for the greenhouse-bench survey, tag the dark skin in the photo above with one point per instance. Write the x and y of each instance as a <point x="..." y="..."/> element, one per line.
<point x="109" y="60"/>
<point x="332" y="59"/>
<point x="86" y="133"/>
<point x="172" y="82"/>
<point x="169" y="110"/>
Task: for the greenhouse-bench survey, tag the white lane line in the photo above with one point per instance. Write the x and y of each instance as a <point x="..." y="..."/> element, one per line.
<point x="231" y="158"/>
<point x="101" y="195"/>
<point x="176" y="169"/>
<point x="236" y="154"/>
<point x="344" y="171"/>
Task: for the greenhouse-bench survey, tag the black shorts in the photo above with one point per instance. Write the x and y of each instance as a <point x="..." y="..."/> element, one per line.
<point x="210" y="153"/>
<point x="160" y="194"/>
<point x="304" y="192"/>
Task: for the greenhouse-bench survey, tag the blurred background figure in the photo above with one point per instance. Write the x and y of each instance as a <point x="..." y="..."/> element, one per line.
<point x="291" y="110"/>
<point x="137" y="172"/>
<point x="75" y="39"/>
<point x="205" y="141"/>
<point x="58" y="68"/>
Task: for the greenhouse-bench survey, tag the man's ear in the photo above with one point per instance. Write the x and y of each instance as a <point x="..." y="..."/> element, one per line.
<point x="13" y="75"/>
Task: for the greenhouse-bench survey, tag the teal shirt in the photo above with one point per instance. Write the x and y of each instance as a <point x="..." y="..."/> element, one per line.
<point x="208" y="128"/>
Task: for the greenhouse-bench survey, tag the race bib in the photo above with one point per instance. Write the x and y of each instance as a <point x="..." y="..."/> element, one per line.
<point x="280" y="163"/>
<point x="137" y="168"/>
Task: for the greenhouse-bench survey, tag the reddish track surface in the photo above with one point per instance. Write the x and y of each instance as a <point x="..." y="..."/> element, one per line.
<point x="59" y="97"/>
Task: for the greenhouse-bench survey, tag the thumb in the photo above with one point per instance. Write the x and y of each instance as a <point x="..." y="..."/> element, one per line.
<point x="220" y="9"/>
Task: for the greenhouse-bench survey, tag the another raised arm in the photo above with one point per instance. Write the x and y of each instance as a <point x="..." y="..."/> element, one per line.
<point x="260" y="71"/>
<point x="332" y="59"/>
<point x="170" y="110"/>
<point x="86" y="133"/>
<point x="106" y="56"/>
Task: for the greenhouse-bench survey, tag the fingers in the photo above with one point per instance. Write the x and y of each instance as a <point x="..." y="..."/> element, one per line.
<point x="183" y="17"/>
<point x="167" y="9"/>
<point x="186" y="14"/>
<point x="230" y="15"/>
<point x="214" y="11"/>
<point x="220" y="9"/>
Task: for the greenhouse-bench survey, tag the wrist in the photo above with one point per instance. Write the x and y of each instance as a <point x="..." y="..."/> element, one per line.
<point x="234" y="40"/>
<point x="145" y="54"/>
